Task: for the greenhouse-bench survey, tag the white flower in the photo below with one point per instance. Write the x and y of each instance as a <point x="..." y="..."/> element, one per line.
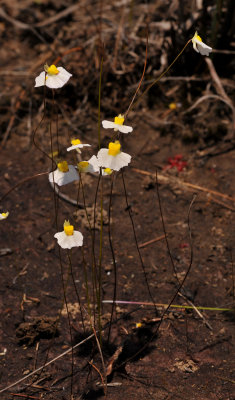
<point x="91" y="165"/>
<point x="117" y="125"/>
<point x="4" y="215"/>
<point x="113" y="157"/>
<point x="69" y="238"/>
<point x="64" y="174"/>
<point x="77" y="145"/>
<point x="199" y="46"/>
<point x="53" y="77"/>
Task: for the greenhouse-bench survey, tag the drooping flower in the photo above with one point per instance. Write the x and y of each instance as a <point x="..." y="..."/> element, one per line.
<point x="4" y="215"/>
<point x="77" y="145"/>
<point x="199" y="46"/>
<point x="64" y="174"/>
<point x="117" y="125"/>
<point x="52" y="77"/>
<point x="69" y="238"/>
<point x="107" y="171"/>
<point x="113" y="157"/>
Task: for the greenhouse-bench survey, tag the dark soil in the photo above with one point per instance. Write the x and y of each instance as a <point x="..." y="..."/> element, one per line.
<point x="185" y="355"/>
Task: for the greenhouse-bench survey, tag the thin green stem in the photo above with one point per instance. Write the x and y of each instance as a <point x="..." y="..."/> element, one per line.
<point x="142" y="77"/>
<point x="113" y="256"/>
<point x="94" y="277"/>
<point x="100" y="259"/>
<point x="136" y="243"/>
<point x="161" y="75"/>
<point x="178" y="289"/>
<point x="181" y="306"/>
<point x="75" y="288"/>
<point x="94" y="265"/>
<point x="86" y="282"/>
<point x="38" y="126"/>
<point x="21" y="183"/>
<point x="57" y="122"/>
<point x="99" y="101"/>
<point x="70" y="331"/>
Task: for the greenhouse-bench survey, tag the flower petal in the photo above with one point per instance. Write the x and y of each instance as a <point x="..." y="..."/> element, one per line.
<point x="120" y="161"/>
<point x="201" y="47"/>
<point x="93" y="162"/>
<point x="109" y="124"/>
<point x="204" y="49"/>
<point x="65" y="75"/>
<point x="59" y="80"/>
<point x="103" y="158"/>
<point x="63" y="178"/>
<point x="77" y="146"/>
<point x="113" y="162"/>
<point x="125" y="128"/>
<point x="195" y="46"/>
<point x="67" y="242"/>
<point x="40" y="79"/>
<point x="4" y="215"/>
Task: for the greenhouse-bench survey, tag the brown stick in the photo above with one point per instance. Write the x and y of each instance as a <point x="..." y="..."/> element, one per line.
<point x="151" y="241"/>
<point x="25" y="395"/>
<point x="166" y="179"/>
<point x="218" y="85"/>
<point x="56" y="17"/>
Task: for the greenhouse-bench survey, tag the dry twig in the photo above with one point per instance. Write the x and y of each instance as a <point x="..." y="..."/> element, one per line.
<point x="151" y="241"/>
<point x="218" y="85"/>
<point x="166" y="179"/>
<point x="197" y="311"/>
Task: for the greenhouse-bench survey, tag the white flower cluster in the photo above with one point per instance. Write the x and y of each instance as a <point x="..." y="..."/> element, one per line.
<point x="105" y="162"/>
<point x="56" y="77"/>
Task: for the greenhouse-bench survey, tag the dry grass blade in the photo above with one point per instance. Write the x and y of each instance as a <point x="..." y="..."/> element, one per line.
<point x="58" y="16"/>
<point x="197" y="311"/>
<point x="113" y="359"/>
<point x="13" y="21"/>
<point x="21" y="25"/>
<point x="48" y="363"/>
<point x="216" y="97"/>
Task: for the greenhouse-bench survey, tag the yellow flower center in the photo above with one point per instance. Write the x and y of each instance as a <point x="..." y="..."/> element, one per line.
<point x="83" y="165"/>
<point x="119" y="120"/>
<point x="114" y="148"/>
<point x="74" y="142"/>
<point x="52" y="70"/>
<point x="172" y="106"/>
<point x="108" y="171"/>
<point x="63" y="166"/>
<point x="68" y="229"/>
<point x="5" y="215"/>
<point x="198" y="37"/>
